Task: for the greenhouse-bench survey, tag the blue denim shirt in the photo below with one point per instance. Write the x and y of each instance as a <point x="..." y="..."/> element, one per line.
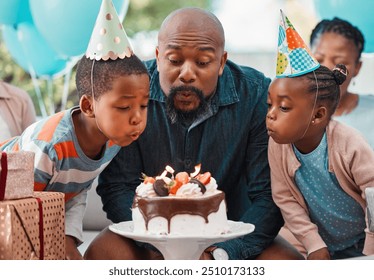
<point x="230" y="141"/>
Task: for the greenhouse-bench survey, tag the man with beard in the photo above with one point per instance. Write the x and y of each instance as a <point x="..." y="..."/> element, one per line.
<point x="203" y="109"/>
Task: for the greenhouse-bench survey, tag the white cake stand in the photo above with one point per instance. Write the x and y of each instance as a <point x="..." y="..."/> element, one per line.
<point x="174" y="247"/>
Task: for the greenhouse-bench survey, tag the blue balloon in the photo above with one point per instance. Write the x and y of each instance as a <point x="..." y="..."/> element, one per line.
<point x="24" y="13"/>
<point x="67" y="24"/>
<point x="14" y="47"/>
<point x="13" y="12"/>
<point x="358" y="13"/>
<point x="9" y="11"/>
<point x="30" y="50"/>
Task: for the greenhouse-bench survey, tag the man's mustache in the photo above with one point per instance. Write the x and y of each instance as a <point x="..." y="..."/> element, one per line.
<point x="177" y="90"/>
<point x="175" y="114"/>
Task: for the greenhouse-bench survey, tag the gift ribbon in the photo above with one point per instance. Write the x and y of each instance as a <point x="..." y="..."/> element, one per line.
<point x="41" y="228"/>
<point x="3" y="174"/>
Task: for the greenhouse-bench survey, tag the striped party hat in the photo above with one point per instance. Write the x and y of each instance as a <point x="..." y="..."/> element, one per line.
<point x="294" y="57"/>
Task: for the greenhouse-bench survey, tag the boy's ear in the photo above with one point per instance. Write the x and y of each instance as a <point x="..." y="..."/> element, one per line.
<point x="320" y="115"/>
<point x="86" y="105"/>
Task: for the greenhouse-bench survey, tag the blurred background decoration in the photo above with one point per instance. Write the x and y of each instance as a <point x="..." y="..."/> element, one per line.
<point x="42" y="40"/>
<point x="358" y="12"/>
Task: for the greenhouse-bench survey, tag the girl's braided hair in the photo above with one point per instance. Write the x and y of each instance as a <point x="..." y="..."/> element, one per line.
<point x="341" y="27"/>
<point x="328" y="85"/>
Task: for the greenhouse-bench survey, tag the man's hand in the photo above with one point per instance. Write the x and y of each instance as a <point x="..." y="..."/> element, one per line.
<point x="72" y="252"/>
<point x="207" y="255"/>
<point x="321" y="254"/>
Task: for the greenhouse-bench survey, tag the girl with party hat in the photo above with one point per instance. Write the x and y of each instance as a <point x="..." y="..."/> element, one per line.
<point x="72" y="147"/>
<point x="319" y="167"/>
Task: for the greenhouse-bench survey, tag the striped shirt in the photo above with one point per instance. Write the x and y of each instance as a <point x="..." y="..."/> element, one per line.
<point x="60" y="163"/>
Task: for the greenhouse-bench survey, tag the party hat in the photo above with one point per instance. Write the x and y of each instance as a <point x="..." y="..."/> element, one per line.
<point x="108" y="39"/>
<point x="294" y="57"/>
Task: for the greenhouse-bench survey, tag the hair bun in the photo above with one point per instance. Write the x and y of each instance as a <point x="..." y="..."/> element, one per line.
<point x="340" y="73"/>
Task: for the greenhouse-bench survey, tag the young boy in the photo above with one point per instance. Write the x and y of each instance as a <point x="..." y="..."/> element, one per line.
<point x="72" y="147"/>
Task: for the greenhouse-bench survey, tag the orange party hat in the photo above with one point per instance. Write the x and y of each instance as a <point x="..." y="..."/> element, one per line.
<point x="294" y="57"/>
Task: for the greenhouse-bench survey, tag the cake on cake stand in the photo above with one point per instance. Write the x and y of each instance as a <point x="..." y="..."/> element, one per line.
<point x="174" y="247"/>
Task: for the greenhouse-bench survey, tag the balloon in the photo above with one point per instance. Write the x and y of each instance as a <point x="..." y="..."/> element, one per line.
<point x="67" y="24"/>
<point x="14" y="47"/>
<point x="13" y="12"/>
<point x="24" y="13"/>
<point x="29" y="49"/>
<point x="9" y="11"/>
<point x="359" y="13"/>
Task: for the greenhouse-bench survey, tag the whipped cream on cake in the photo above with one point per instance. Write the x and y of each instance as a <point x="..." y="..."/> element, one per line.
<point x="180" y="204"/>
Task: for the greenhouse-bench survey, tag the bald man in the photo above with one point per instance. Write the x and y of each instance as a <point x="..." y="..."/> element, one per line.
<point x="203" y="109"/>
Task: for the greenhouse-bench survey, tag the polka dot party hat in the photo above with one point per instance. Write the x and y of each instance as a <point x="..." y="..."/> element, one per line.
<point x="108" y="39"/>
<point x="294" y="57"/>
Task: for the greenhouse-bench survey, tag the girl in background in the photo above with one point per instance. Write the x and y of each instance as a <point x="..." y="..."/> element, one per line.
<point x="338" y="41"/>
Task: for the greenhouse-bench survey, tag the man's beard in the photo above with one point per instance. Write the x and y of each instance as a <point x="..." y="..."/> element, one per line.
<point x="186" y="117"/>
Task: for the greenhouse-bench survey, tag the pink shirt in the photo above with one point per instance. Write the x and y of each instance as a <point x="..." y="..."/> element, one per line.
<point x="351" y="159"/>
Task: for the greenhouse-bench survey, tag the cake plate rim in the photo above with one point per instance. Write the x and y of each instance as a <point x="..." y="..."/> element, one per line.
<point x="175" y="247"/>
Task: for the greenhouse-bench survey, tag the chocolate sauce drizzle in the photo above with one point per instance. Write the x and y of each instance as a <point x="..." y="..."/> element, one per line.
<point x="168" y="207"/>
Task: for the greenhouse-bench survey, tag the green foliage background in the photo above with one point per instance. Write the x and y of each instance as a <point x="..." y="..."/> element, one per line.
<point x="142" y="15"/>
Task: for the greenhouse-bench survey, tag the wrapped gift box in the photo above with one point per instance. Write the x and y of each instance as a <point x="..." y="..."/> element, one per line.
<point x="369" y="193"/>
<point x="16" y="175"/>
<point x="33" y="228"/>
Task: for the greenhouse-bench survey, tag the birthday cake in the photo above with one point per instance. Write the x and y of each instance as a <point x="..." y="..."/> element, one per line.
<point x="184" y="204"/>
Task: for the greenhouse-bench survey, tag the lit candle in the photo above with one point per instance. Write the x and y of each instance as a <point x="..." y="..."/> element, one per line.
<point x="197" y="170"/>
